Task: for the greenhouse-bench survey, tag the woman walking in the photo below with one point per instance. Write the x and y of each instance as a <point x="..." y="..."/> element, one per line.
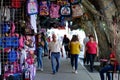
<point x="74" y="51"/>
<point x="91" y="49"/>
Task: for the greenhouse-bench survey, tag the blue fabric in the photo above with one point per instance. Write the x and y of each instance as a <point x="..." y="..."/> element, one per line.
<point x="74" y="61"/>
<point x="55" y="56"/>
<point x="12" y="56"/>
<point x="106" y="69"/>
<point x="11" y="42"/>
<point x="39" y="57"/>
<point x="5" y="28"/>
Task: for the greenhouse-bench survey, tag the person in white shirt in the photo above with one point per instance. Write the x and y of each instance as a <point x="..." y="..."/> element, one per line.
<point x="55" y="48"/>
<point x="85" y="40"/>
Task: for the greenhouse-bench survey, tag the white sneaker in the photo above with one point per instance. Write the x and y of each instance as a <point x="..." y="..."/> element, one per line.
<point x="76" y="72"/>
<point x="73" y="69"/>
<point x="41" y="69"/>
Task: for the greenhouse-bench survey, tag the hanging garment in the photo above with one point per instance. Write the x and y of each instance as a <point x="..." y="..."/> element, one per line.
<point x="5" y="12"/>
<point x="12" y="28"/>
<point x="16" y="4"/>
<point x="21" y="42"/>
<point x="33" y="23"/>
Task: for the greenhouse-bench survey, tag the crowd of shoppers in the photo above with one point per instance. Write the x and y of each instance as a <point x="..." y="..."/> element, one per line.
<point x="72" y="50"/>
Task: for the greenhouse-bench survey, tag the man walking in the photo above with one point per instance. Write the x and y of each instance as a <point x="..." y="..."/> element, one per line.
<point x="55" y="48"/>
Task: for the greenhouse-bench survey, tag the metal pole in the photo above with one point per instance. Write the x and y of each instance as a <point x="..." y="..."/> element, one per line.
<point x="1" y="34"/>
<point x="1" y="13"/>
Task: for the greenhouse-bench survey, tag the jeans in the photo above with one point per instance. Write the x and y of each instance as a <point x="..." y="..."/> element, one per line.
<point x="55" y="56"/>
<point x="39" y="57"/>
<point x="74" y="61"/>
<point x="106" y="69"/>
<point x="91" y="58"/>
<point x="46" y="47"/>
<point x="86" y="59"/>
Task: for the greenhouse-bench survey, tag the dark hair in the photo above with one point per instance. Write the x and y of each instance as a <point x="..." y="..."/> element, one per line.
<point x="91" y="36"/>
<point x="74" y="38"/>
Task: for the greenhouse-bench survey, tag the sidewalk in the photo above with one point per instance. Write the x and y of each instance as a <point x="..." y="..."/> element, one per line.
<point x="65" y="72"/>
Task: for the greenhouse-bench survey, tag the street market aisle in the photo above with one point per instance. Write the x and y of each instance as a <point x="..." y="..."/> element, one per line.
<point x="65" y="72"/>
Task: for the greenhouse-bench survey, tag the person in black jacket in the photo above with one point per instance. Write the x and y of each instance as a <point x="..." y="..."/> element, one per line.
<point x="65" y="43"/>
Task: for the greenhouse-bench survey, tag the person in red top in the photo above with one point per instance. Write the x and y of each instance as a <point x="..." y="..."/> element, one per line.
<point x="91" y="49"/>
<point x="112" y="66"/>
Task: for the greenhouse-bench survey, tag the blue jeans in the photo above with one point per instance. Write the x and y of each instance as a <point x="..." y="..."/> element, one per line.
<point x="74" y="61"/>
<point x="55" y="56"/>
<point x="106" y="69"/>
<point x="39" y="57"/>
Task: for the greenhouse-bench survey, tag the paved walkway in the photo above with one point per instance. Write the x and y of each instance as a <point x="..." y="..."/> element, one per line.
<point x="65" y="72"/>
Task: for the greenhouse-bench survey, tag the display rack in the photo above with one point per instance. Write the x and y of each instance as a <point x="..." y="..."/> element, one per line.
<point x="11" y="13"/>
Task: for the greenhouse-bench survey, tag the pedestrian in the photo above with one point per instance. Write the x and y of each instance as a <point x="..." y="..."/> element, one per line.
<point x="55" y="48"/>
<point x="92" y="50"/>
<point x="85" y="40"/>
<point x="65" y="43"/>
<point x="39" y="51"/>
<point x="112" y="66"/>
<point x="74" y="51"/>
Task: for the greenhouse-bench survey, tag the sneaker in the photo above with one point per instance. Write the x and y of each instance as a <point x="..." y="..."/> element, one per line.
<point x="41" y="69"/>
<point x="76" y="72"/>
<point x="73" y="69"/>
<point x="38" y="68"/>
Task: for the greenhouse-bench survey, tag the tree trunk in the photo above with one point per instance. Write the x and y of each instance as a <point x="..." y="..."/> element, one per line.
<point x="106" y="33"/>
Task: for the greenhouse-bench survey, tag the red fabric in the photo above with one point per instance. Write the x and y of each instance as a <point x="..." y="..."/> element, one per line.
<point x="91" y="47"/>
<point x="16" y="4"/>
<point x="30" y="60"/>
<point x="112" y="55"/>
<point x="12" y="28"/>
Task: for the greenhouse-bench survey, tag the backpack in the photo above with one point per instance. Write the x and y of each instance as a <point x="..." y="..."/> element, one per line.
<point x="75" y="1"/>
<point x="44" y="8"/>
<point x="65" y="11"/>
<point x="12" y="56"/>
<point x="62" y="2"/>
<point x="32" y="7"/>
<point x="76" y="10"/>
<point x="54" y="11"/>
